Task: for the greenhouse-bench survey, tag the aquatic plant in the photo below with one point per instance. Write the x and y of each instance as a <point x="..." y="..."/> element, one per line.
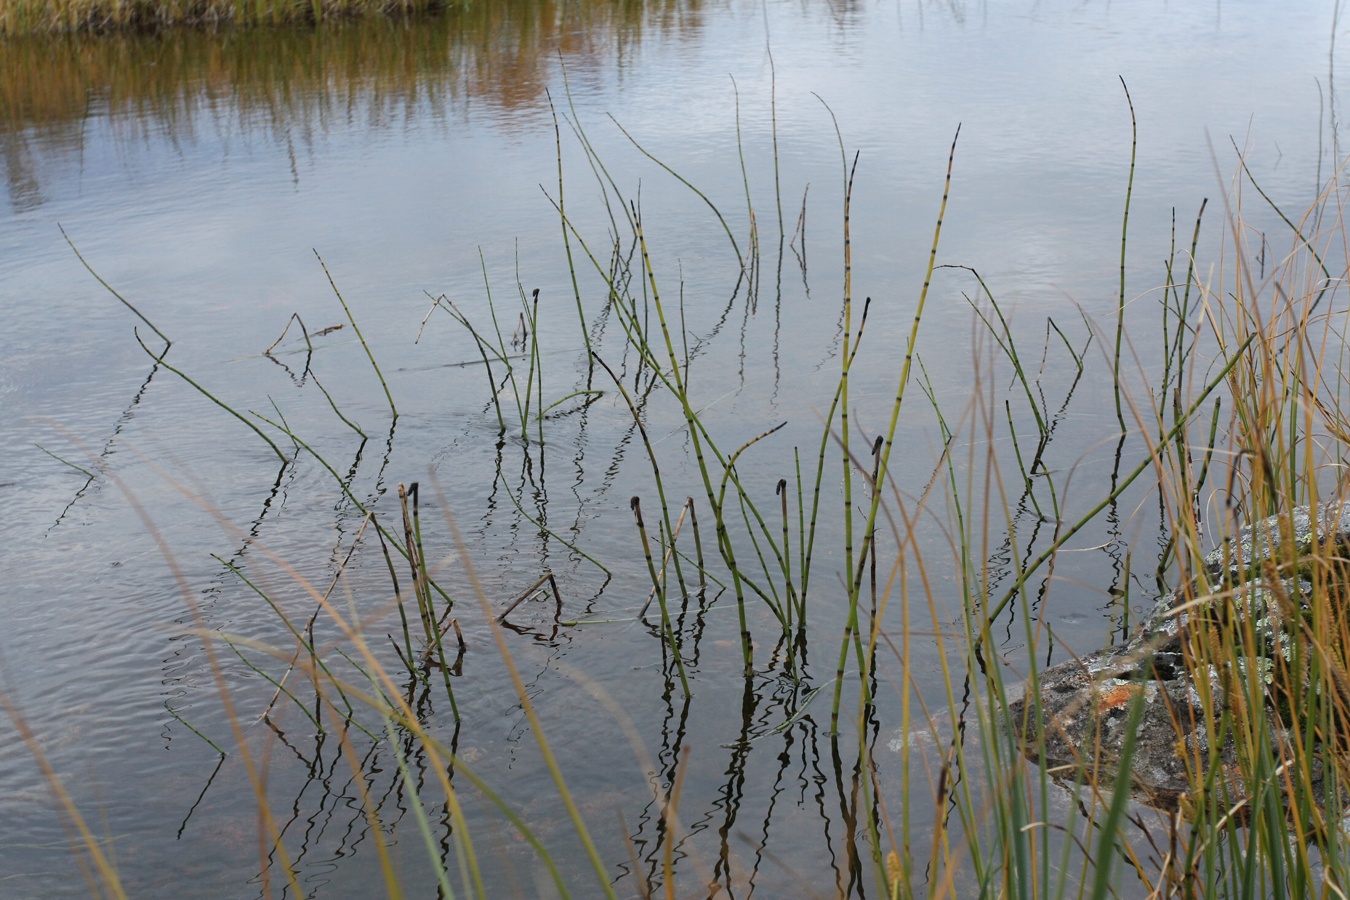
<point x="949" y="570"/>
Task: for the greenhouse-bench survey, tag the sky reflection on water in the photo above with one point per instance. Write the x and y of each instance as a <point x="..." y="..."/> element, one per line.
<point x="199" y="173"/>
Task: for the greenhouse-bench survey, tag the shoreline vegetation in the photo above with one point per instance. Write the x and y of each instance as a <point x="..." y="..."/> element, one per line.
<point x="1245" y="417"/>
<point x="19" y="18"/>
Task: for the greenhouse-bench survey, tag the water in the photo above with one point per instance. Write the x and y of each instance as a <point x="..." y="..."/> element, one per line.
<point x="199" y="175"/>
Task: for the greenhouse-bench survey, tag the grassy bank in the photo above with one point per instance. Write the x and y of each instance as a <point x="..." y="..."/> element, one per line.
<point x="28" y="17"/>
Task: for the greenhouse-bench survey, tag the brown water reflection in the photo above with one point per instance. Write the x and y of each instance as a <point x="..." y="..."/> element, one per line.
<point x="373" y="72"/>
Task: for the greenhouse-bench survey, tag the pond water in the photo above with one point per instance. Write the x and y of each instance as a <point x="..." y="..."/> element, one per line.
<point x="202" y="176"/>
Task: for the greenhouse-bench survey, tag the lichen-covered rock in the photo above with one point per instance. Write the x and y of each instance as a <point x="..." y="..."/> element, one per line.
<point x="1078" y="721"/>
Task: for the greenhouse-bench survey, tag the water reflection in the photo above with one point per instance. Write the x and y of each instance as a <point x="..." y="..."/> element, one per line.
<point x="294" y="85"/>
<point x="768" y="792"/>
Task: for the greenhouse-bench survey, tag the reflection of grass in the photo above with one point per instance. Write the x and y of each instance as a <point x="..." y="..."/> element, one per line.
<point x="499" y="52"/>
<point x="182" y="82"/>
<point x="1248" y="416"/>
<point x="36" y="16"/>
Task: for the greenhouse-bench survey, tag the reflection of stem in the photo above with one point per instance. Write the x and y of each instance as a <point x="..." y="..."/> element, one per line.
<point x="1150" y="460"/>
<point x="206" y="787"/>
<point x="412" y="530"/>
<point x="527" y="706"/>
<point x="669" y="814"/>
<point x="407" y="652"/>
<point x="107" y="445"/>
<point x="848" y="811"/>
<point x="660" y="591"/>
<point x="557" y="537"/>
<point x="267" y="821"/>
<point x="415" y="805"/>
<point x="304" y="638"/>
<point x="733" y="790"/>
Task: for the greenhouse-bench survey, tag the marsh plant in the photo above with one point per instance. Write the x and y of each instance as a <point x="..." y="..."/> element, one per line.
<point x="891" y="610"/>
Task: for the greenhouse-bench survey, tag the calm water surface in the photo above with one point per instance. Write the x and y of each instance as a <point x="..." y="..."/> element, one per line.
<point x="199" y="175"/>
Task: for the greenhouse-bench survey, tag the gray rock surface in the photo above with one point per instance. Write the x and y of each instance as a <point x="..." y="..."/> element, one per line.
<point x="1083" y="706"/>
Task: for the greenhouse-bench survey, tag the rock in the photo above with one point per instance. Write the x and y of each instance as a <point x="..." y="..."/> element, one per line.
<point x="1263" y="578"/>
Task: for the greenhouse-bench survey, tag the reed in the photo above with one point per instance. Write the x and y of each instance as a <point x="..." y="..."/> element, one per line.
<point x="1243" y="418"/>
<point x="986" y="786"/>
